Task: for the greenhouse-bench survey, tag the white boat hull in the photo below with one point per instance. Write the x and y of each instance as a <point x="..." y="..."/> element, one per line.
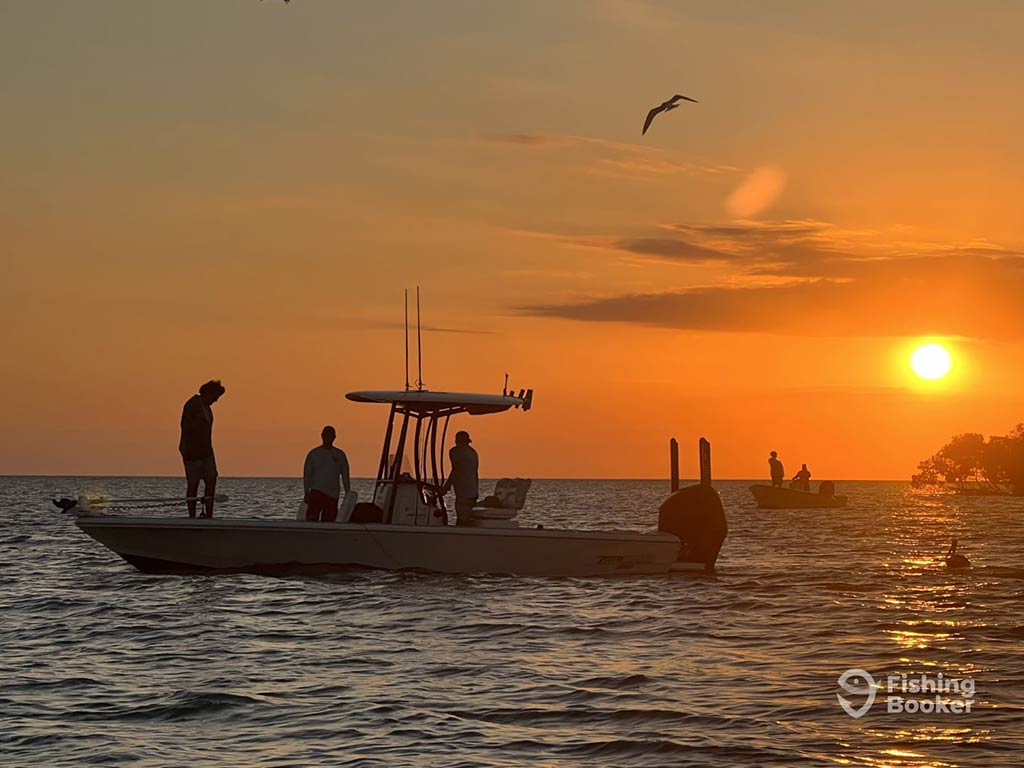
<point x="184" y="545"/>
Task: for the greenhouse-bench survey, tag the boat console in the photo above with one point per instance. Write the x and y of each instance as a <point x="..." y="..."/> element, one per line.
<point x="412" y="495"/>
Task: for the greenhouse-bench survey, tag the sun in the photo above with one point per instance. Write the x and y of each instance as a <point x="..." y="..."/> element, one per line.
<point x="930" y="361"/>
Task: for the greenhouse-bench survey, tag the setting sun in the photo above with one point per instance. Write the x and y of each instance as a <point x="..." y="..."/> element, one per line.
<point x="930" y="361"/>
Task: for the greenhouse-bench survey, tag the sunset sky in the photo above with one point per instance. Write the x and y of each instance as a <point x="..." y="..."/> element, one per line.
<point x="242" y="190"/>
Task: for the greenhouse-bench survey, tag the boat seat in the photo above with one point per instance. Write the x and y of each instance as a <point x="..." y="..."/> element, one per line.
<point x="509" y="493"/>
<point x="501" y="508"/>
<point x="348" y="504"/>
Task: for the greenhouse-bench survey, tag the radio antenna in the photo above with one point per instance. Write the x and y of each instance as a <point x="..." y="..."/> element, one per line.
<point x="419" y="342"/>
<point x="406" y="339"/>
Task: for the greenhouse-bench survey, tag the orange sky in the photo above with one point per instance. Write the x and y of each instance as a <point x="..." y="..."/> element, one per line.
<point x="242" y="190"/>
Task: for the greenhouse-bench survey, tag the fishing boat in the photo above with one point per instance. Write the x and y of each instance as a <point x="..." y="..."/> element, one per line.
<point x="776" y="497"/>
<point x="407" y="526"/>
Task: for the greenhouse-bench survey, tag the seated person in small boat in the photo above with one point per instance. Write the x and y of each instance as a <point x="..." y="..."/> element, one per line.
<point x="465" y="477"/>
<point x="802" y="479"/>
<point x="325" y="465"/>
<point x="777" y="470"/>
<point x="196" y="446"/>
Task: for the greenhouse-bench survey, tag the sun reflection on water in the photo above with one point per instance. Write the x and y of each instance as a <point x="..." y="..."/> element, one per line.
<point x="931" y="620"/>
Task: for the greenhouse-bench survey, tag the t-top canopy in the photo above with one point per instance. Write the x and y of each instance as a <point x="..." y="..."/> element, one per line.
<point x="425" y="401"/>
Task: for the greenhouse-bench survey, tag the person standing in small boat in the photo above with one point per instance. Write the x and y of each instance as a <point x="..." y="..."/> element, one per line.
<point x="325" y="466"/>
<point x="465" y="477"/>
<point x="778" y="472"/>
<point x="802" y="479"/>
<point x="196" y="446"/>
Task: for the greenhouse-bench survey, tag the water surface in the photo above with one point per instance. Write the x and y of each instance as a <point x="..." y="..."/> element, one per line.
<point x="101" y="665"/>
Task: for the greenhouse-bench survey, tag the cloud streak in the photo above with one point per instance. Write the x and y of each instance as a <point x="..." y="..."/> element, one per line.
<point x="608" y="158"/>
<point x="809" y="278"/>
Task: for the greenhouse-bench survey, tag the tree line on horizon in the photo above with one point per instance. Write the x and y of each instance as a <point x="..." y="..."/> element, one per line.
<point x="969" y="462"/>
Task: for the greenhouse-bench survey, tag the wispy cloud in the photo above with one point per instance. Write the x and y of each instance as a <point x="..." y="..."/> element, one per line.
<point x="607" y="157"/>
<point x="536" y="140"/>
<point x="753" y="246"/>
<point x="814" y="279"/>
<point x="389" y="325"/>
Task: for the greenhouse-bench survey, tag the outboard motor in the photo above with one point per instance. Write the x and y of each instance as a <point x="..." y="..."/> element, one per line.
<point x="695" y="514"/>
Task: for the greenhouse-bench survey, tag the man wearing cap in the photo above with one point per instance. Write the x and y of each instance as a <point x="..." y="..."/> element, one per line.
<point x="196" y="446"/>
<point x="464" y="477"/>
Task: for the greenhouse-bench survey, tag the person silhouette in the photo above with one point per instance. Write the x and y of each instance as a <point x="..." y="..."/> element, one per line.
<point x="196" y="446"/>
<point x="802" y="479"/>
<point x="778" y="472"/>
<point x="464" y="478"/>
<point x="325" y="466"/>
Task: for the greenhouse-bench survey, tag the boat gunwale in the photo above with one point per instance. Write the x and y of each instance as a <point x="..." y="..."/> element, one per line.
<point x="257" y="524"/>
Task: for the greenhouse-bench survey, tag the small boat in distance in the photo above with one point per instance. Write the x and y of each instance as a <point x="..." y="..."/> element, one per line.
<point x="776" y="497"/>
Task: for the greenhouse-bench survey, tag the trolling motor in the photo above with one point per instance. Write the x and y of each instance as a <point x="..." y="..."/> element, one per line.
<point x="695" y="514"/>
<point x="100" y="504"/>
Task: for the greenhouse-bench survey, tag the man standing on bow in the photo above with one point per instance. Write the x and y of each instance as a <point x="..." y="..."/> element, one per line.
<point x="465" y="477"/>
<point x="196" y="446"/>
<point x="777" y="470"/>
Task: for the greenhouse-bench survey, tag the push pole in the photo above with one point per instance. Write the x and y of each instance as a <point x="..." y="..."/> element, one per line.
<point x="673" y="451"/>
<point x="705" y="462"/>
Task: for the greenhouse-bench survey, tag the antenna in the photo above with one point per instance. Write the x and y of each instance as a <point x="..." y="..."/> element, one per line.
<point x="504" y="390"/>
<point x="419" y="342"/>
<point x="407" y="339"/>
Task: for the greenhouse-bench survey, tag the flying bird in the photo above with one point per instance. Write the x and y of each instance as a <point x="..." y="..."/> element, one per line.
<point x="664" y="107"/>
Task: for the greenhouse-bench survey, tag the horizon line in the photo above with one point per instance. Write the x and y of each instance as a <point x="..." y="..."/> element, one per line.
<point x="609" y="479"/>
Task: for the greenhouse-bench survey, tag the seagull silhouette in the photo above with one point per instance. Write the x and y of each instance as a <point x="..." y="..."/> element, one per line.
<point x="664" y="107"/>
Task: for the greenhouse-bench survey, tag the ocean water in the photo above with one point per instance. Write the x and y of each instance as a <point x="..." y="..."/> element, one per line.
<point x="101" y="665"/>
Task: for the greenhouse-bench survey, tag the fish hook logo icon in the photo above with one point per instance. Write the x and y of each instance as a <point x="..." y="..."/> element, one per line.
<point x="868" y="689"/>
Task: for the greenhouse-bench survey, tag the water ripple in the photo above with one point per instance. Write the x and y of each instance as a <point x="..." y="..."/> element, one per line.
<point x="100" y="665"/>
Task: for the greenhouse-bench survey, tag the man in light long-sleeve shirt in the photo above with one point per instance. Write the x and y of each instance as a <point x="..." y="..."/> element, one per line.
<point x="325" y="465"/>
<point x="464" y="477"/>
